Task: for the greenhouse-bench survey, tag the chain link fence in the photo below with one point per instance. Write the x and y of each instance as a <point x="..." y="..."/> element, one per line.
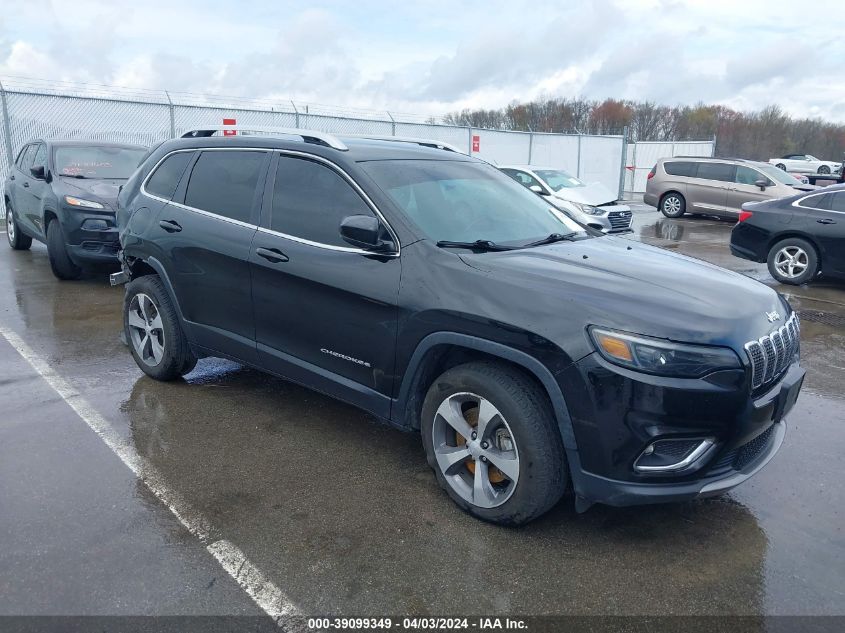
<point x="34" y="109"/>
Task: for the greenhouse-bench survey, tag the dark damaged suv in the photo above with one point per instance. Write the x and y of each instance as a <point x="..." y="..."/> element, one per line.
<point x="433" y="291"/>
<point x="64" y="193"/>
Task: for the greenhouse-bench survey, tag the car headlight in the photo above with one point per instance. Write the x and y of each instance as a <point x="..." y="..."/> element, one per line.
<point x="589" y="209"/>
<point x="85" y="204"/>
<point x="661" y="357"/>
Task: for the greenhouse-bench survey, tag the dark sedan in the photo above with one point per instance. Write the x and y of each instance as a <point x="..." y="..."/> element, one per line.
<point x="799" y="237"/>
<point x="64" y="193"/>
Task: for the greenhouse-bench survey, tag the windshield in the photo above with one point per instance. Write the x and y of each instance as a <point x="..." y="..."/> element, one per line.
<point x="558" y="179"/>
<point x="778" y="175"/>
<point x="97" y="162"/>
<point x="467" y="201"/>
<point x="811" y="157"/>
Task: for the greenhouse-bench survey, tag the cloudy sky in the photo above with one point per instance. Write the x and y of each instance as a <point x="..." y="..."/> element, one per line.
<point x="436" y="56"/>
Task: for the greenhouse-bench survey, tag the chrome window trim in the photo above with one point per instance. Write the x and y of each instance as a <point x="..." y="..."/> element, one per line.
<point x="367" y="200"/>
<point x="179" y="205"/>
<point x="797" y="203"/>
<point x="293" y="238"/>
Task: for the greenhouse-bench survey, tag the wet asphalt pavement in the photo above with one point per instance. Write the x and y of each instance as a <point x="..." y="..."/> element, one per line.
<point x="343" y="515"/>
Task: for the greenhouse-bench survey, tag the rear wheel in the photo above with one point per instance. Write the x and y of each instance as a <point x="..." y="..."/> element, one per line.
<point x="153" y="330"/>
<point x="17" y="240"/>
<point x="793" y="261"/>
<point x="490" y="436"/>
<point x="60" y="262"/>
<point x="673" y="205"/>
<point x="781" y="166"/>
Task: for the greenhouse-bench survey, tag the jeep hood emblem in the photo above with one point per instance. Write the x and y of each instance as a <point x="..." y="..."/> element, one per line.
<point x="772" y="316"/>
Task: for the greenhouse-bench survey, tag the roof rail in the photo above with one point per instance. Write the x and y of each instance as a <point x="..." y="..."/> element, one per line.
<point x="309" y="136"/>
<point x="714" y="157"/>
<point x="426" y="142"/>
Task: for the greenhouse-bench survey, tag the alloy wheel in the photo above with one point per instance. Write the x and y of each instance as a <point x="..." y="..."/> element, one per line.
<point x="791" y="261"/>
<point x="10" y="226"/>
<point x="146" y="329"/>
<point x="475" y="450"/>
<point x="672" y="205"/>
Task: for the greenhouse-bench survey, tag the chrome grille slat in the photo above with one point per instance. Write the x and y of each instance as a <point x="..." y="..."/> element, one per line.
<point x="770" y="355"/>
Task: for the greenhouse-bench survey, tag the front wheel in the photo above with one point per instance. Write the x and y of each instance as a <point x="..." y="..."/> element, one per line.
<point x="152" y="328"/>
<point x="17" y="240"/>
<point x="824" y="169"/>
<point x="490" y="436"/>
<point x="60" y="262"/>
<point x="793" y="261"/>
<point x="673" y="205"/>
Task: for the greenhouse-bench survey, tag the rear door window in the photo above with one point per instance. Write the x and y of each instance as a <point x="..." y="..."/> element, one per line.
<point x="679" y="168"/>
<point x="25" y="159"/>
<point x="166" y="177"/>
<point x="820" y="201"/>
<point x="716" y="171"/>
<point x="836" y="202"/>
<point x="224" y="183"/>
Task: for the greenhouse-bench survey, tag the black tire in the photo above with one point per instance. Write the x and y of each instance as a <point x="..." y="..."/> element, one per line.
<point x="806" y="254"/>
<point x="17" y="240"/>
<point x="60" y="262"/>
<point x="673" y="205"/>
<point x="177" y="358"/>
<point x="824" y="169"/>
<point x="781" y="166"/>
<point x="543" y="474"/>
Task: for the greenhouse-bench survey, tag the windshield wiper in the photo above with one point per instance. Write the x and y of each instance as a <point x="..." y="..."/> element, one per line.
<point x="551" y="239"/>
<point x="74" y="176"/>
<point x="479" y="245"/>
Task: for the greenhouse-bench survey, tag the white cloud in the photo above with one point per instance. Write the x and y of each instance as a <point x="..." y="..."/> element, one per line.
<point x="438" y="56"/>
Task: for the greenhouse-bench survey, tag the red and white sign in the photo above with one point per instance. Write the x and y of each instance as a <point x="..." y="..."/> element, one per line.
<point x="476" y="143"/>
<point x="230" y="122"/>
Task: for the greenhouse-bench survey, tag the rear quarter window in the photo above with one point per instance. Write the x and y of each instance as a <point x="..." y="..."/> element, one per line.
<point x="167" y="175"/>
<point x="679" y="168"/>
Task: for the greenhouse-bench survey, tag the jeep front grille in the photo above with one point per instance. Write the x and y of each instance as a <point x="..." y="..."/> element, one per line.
<point x="772" y="354"/>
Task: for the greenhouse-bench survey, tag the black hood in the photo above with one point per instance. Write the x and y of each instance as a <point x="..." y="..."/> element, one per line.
<point x="96" y="190"/>
<point x="634" y="287"/>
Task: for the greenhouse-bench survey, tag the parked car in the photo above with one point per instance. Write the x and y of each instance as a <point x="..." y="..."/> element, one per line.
<point x="63" y="193"/>
<point x="805" y="164"/>
<point x="434" y="292"/>
<point x="798" y="237"/>
<point x="802" y="178"/>
<point x="592" y="205"/>
<point x="714" y="186"/>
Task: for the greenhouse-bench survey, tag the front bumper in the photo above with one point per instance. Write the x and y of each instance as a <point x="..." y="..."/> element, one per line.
<point x="617" y="417"/>
<point x="87" y="245"/>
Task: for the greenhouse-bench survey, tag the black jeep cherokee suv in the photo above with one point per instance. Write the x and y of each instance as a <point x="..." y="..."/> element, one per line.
<point x="74" y="183"/>
<point x="433" y="291"/>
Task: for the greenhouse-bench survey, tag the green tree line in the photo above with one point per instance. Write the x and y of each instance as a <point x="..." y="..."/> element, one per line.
<point x="758" y="135"/>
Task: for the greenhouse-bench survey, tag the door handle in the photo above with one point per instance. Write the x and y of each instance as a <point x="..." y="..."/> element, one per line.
<point x="170" y="226"/>
<point x="26" y="184"/>
<point x="826" y="221"/>
<point x="272" y="255"/>
<point x="12" y="177"/>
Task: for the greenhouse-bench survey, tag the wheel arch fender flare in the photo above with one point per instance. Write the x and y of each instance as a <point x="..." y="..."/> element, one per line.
<point x="159" y="269"/>
<point x="515" y="356"/>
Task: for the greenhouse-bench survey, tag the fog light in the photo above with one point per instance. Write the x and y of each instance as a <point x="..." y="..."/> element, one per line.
<point x="673" y="455"/>
<point x="95" y="225"/>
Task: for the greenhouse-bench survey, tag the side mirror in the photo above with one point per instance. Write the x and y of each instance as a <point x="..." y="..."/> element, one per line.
<point x="365" y="231"/>
<point x="538" y="189"/>
<point x="762" y="184"/>
<point x="38" y="172"/>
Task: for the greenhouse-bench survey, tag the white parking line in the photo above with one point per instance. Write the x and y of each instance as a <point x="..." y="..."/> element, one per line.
<point x="264" y="593"/>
